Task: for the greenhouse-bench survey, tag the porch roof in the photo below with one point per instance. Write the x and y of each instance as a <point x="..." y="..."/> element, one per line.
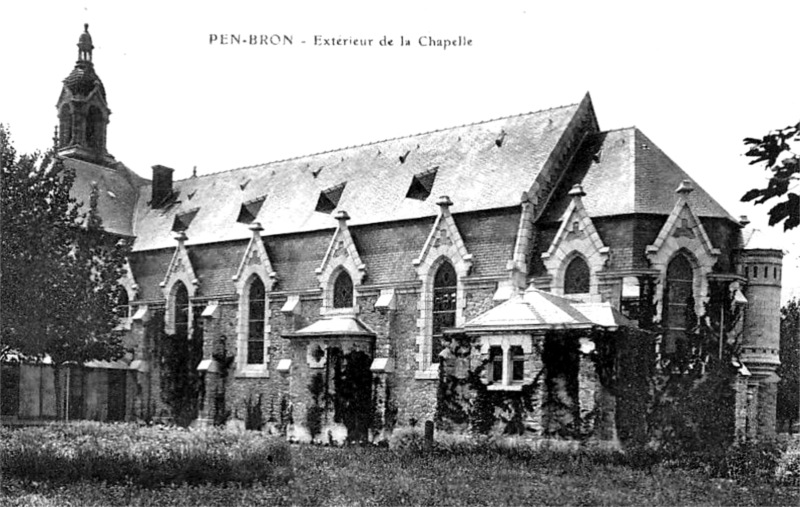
<point x="536" y="310"/>
<point x="339" y="325"/>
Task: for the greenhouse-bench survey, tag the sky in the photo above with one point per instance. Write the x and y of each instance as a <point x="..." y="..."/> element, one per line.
<point x="695" y="77"/>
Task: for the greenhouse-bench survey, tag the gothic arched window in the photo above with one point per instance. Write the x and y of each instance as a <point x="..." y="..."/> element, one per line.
<point x="122" y="309"/>
<point x="181" y="305"/>
<point x="257" y="306"/>
<point x="94" y="128"/>
<point x="678" y="300"/>
<point x="445" y="284"/>
<point x="64" y="126"/>
<point x="343" y="291"/>
<point x="576" y="277"/>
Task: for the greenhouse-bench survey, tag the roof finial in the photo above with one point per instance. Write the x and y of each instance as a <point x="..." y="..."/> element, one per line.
<point x="85" y="45"/>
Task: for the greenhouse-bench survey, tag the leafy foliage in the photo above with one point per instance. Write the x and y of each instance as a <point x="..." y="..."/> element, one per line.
<point x="254" y="415"/>
<point x="60" y="270"/>
<point x="693" y="395"/>
<point x="314" y="413"/>
<point x="775" y="150"/>
<point x="463" y="400"/>
<point x="353" y="397"/>
<point x="788" y="409"/>
<point x="181" y="383"/>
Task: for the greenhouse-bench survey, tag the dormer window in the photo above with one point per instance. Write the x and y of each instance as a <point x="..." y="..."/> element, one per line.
<point x="329" y="198"/>
<point x="183" y="220"/>
<point x="250" y="209"/>
<point x="422" y="184"/>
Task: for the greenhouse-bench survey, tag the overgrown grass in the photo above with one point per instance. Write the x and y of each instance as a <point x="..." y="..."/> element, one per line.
<point x="456" y="471"/>
<point x="121" y="453"/>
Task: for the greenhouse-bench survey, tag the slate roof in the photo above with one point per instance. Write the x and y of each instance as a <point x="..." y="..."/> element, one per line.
<point x="473" y="170"/>
<point x="118" y="188"/>
<point x="539" y="310"/>
<point x="344" y="325"/>
<point x="623" y="172"/>
<point x="758" y="239"/>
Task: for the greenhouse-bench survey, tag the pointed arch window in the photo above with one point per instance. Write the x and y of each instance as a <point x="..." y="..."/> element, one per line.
<point x="94" y="128"/>
<point x="257" y="306"/>
<point x="181" y="305"/>
<point x="343" y="291"/>
<point x="123" y="307"/>
<point x="65" y="126"/>
<point x="678" y="301"/>
<point x="576" y="277"/>
<point x="445" y="284"/>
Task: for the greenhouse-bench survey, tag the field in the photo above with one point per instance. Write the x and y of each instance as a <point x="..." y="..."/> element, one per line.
<point x="446" y="475"/>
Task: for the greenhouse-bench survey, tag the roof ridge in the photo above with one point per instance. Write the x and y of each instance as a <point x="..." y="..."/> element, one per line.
<point x="371" y="143"/>
<point x="632" y="127"/>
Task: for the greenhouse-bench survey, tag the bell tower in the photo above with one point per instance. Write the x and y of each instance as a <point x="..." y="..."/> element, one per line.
<point x="83" y="112"/>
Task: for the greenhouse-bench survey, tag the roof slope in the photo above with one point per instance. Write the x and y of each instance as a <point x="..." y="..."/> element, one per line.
<point x="623" y="172"/>
<point x="538" y="310"/>
<point x="117" y="192"/>
<point x="480" y="166"/>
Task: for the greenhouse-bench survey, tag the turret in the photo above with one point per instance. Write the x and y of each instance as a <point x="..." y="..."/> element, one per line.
<point x="761" y="265"/>
<point x="82" y="109"/>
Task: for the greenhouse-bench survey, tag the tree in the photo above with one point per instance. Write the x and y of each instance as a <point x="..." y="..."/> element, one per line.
<point x="779" y="151"/>
<point x="60" y="271"/>
<point x="788" y="410"/>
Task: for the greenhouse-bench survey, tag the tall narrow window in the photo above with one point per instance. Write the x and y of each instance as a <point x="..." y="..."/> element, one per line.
<point x="123" y="308"/>
<point x="517" y="364"/>
<point x="576" y="277"/>
<point x="181" y="311"/>
<point x="65" y="126"/>
<point x="256" y="298"/>
<point x="343" y="291"/>
<point x="94" y="128"/>
<point x="444" y="304"/>
<point x="496" y="362"/>
<point x="678" y="301"/>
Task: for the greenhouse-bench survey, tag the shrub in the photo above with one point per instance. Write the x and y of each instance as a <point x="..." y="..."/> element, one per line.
<point x="141" y="455"/>
<point x="254" y="417"/>
<point x="788" y="471"/>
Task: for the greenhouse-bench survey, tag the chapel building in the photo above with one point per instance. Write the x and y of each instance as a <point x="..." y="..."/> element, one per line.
<point x="342" y="283"/>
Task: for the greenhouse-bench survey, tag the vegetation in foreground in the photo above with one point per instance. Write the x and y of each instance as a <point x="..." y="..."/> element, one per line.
<point x="453" y="472"/>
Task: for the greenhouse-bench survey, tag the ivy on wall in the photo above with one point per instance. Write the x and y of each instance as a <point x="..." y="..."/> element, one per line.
<point x="346" y="387"/>
<point x="181" y="384"/>
<point x="465" y="403"/>
<point x="683" y="401"/>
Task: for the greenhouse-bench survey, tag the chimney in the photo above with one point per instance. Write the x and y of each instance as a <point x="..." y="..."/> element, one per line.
<point x="162" y="185"/>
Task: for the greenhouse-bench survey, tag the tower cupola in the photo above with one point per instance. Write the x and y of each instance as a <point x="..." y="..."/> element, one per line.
<point x="83" y="112"/>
